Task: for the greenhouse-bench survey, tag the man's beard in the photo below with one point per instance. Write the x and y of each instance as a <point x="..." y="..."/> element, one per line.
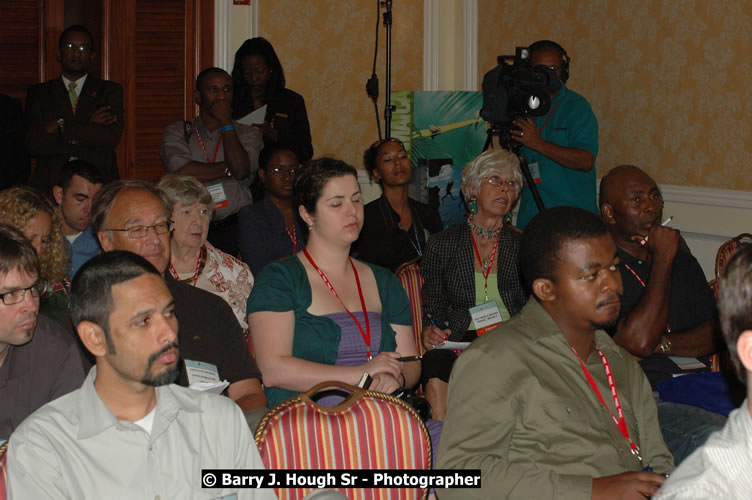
<point x="604" y="326"/>
<point x="167" y="376"/>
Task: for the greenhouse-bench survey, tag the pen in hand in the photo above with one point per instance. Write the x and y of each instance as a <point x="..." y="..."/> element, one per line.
<point x="665" y="223"/>
<point x="410" y="358"/>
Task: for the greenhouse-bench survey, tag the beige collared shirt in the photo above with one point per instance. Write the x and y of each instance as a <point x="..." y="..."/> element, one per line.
<point x="75" y="448"/>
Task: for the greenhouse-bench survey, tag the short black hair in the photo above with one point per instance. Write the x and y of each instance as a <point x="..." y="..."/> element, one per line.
<point x="81" y="168"/>
<point x="310" y="182"/>
<point x="547" y="232"/>
<point x="90" y="296"/>
<point x="735" y="303"/>
<point x="75" y="28"/>
<point x="371" y="154"/>
<point x="546" y="45"/>
<point x="16" y="252"/>
<point x="205" y="74"/>
<point x="273" y="148"/>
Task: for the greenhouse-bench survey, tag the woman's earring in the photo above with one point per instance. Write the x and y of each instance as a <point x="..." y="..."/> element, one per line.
<point x="473" y="205"/>
<point x="508" y="219"/>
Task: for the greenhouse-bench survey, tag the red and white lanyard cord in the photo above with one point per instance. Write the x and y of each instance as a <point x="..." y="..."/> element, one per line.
<point x="487" y="272"/>
<point x="618" y="419"/>
<point x="203" y="148"/>
<point x="366" y="334"/>
<point x="637" y="276"/>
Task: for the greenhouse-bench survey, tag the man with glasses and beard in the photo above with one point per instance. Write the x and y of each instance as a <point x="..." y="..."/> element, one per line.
<point x="128" y="432"/>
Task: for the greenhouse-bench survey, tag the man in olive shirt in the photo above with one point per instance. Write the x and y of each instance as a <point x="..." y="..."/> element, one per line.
<point x="521" y="407"/>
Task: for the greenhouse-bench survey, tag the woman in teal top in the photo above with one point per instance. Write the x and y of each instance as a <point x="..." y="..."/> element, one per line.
<point x="320" y="315"/>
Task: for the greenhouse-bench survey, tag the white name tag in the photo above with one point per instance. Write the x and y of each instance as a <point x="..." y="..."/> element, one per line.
<point x="200" y="372"/>
<point x="217" y="192"/>
<point x="485" y="316"/>
<point x="535" y="172"/>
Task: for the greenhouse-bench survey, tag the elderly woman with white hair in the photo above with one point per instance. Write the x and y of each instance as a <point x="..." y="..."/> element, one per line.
<point x="471" y="271"/>
<point x="193" y="260"/>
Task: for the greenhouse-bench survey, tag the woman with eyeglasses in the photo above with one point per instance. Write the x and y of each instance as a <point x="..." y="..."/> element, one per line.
<point x="271" y="229"/>
<point x="193" y="260"/>
<point x="29" y="211"/>
<point x="395" y="227"/>
<point x="471" y="271"/>
<point x="259" y="93"/>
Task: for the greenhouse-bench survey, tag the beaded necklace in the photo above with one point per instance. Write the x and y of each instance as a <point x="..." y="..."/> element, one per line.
<point x="483" y="233"/>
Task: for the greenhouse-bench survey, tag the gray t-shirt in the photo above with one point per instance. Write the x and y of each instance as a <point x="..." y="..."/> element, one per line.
<point x="32" y="375"/>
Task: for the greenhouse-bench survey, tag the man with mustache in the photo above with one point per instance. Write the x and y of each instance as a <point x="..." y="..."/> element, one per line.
<point x="667" y="306"/>
<point x="75" y="115"/>
<point x="128" y="432"/>
<point x="39" y="361"/>
<point x="221" y="153"/>
<point x="547" y="405"/>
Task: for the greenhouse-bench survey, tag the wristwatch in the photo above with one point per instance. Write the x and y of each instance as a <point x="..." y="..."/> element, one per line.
<point x="665" y="345"/>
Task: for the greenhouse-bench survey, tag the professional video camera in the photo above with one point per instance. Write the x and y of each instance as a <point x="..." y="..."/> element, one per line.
<point x="512" y="91"/>
<point x="516" y="90"/>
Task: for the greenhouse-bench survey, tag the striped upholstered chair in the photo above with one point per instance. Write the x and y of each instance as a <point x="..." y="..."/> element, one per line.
<point x="4" y="471"/>
<point x="409" y="275"/>
<point x="726" y="250"/>
<point x="367" y="430"/>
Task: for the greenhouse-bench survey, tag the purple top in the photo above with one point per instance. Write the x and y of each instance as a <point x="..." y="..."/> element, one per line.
<point x="352" y="348"/>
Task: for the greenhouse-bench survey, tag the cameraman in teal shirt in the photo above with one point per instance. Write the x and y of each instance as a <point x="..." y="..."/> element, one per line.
<point x="560" y="147"/>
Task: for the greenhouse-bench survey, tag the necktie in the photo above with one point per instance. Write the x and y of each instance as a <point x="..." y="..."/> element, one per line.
<point x="72" y="95"/>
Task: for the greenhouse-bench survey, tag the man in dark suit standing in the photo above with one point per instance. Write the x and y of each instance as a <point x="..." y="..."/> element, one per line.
<point x="75" y="115"/>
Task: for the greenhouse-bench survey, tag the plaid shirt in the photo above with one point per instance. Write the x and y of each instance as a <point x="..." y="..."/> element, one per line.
<point x="449" y="277"/>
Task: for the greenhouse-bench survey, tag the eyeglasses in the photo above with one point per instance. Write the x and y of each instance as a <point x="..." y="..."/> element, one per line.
<point x="136" y="232"/>
<point x="284" y="171"/>
<point x="16" y="296"/>
<point x="497" y="181"/>
<point x="77" y="48"/>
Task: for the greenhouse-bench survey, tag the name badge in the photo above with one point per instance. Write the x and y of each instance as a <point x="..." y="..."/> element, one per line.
<point x="217" y="192"/>
<point x="535" y="172"/>
<point x="200" y="372"/>
<point x="486" y="317"/>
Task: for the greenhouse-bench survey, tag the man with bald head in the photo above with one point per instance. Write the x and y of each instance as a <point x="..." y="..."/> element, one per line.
<point x="667" y="305"/>
<point x="134" y="216"/>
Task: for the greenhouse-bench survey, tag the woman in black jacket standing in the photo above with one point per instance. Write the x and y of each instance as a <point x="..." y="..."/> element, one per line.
<point x="259" y="81"/>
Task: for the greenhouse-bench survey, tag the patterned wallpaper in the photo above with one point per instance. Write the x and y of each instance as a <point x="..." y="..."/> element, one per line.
<point x="326" y="49"/>
<point x="668" y="80"/>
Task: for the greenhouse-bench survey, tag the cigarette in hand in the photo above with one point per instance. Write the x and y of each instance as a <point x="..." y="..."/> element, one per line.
<point x="665" y="223"/>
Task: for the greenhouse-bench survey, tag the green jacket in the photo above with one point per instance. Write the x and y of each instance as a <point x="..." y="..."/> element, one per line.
<point x="521" y="410"/>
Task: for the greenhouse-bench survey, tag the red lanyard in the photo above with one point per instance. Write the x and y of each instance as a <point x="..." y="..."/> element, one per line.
<point x="294" y="240"/>
<point x="637" y="276"/>
<point x="366" y="334"/>
<point x="620" y="422"/>
<point x="201" y="258"/>
<point x="203" y="148"/>
<point x="549" y="117"/>
<point x="490" y="263"/>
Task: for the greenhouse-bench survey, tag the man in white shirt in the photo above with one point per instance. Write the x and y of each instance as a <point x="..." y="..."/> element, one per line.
<point x="720" y="468"/>
<point x="128" y="432"/>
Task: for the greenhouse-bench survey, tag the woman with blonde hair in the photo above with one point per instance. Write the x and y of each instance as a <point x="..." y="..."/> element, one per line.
<point x="471" y="270"/>
<point x="35" y="216"/>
